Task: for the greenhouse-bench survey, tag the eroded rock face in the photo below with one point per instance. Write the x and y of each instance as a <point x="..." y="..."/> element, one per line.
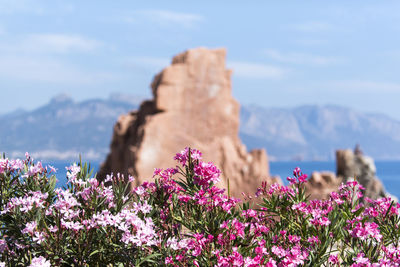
<point x="321" y="184"/>
<point x="353" y="165"/>
<point x="192" y="106"/>
<point x="349" y="166"/>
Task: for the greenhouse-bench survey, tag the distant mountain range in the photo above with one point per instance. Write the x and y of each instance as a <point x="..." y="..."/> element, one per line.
<point x="63" y="129"/>
<point x="316" y="132"/>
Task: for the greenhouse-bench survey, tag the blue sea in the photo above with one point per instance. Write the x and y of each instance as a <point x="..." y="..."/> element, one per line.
<point x="387" y="171"/>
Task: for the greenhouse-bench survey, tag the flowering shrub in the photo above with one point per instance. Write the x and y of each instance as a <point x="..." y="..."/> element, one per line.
<point x="183" y="219"/>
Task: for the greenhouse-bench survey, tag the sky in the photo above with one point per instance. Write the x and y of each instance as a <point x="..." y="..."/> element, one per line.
<point x="282" y="53"/>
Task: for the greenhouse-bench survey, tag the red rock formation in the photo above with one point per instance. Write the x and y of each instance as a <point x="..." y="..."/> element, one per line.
<point x="192" y="106"/>
<point x="321" y="184"/>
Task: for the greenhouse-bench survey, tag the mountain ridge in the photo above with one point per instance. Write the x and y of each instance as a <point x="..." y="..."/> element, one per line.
<point x="315" y="132"/>
<point x="63" y="129"/>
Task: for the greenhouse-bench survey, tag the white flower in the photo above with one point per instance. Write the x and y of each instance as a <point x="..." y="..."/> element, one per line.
<point x="40" y="262"/>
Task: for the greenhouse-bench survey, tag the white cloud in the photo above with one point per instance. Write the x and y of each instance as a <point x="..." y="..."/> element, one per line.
<point x="48" y="71"/>
<point x="365" y="86"/>
<point x="166" y="17"/>
<point x="61" y="43"/>
<point x="35" y="58"/>
<point x="48" y="44"/>
<point x="312" y="27"/>
<point x="256" y="70"/>
<point x="300" y="58"/>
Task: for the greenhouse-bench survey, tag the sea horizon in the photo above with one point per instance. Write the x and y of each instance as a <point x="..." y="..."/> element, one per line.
<point x="388" y="171"/>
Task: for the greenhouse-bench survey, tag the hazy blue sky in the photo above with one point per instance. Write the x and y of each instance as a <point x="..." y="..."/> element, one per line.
<point x="283" y="53"/>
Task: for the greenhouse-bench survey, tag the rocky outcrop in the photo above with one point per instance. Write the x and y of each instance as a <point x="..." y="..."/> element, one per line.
<point x="321" y="184"/>
<point x="349" y="166"/>
<point x="192" y="106"/>
<point x="354" y="165"/>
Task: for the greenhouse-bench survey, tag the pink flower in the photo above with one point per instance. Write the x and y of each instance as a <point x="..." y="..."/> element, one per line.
<point x="197" y="251"/>
<point x="139" y="190"/>
<point x="365" y="231"/>
<point x="296" y="171"/>
<point x="29" y="228"/>
<point x="302" y="178"/>
<point x="35" y="169"/>
<point x="278" y="251"/>
<point x="179" y="257"/>
<point x="52" y="169"/>
<point x="324" y="221"/>
<point x="72" y="172"/>
<point x="3" y="165"/>
<point x="39" y="237"/>
<point x="249" y="213"/>
<point x="333" y="259"/>
<point x="239" y="227"/>
<point x="17" y="164"/>
<point x="75" y="226"/>
<point x="298" y="178"/>
<point x="271" y="263"/>
<point x="207" y="173"/>
<point x="360" y="259"/>
<point x="291" y="180"/>
<point x="53" y="229"/>
<point x="313" y="240"/>
<point x="3" y="246"/>
<point x="169" y="260"/>
<point x="294" y="238"/>
<point x="183" y="156"/>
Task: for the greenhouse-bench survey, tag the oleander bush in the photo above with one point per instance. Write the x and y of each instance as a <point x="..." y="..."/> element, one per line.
<point x="183" y="219"/>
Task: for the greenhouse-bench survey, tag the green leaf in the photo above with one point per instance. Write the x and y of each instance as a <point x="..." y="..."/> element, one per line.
<point x="149" y="259"/>
<point x="94" y="252"/>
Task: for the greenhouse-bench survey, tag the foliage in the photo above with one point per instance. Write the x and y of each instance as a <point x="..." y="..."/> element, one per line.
<point x="183" y="219"/>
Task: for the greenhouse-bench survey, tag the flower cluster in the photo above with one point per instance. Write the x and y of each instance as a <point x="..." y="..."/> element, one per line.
<point x="83" y="224"/>
<point x="181" y="218"/>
